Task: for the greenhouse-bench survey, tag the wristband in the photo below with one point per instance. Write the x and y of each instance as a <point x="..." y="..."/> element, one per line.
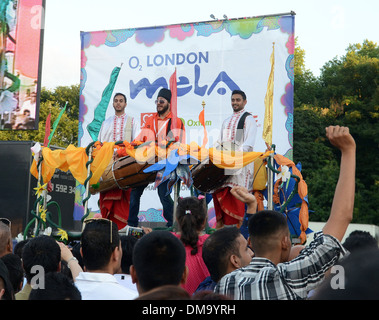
<point x="69" y="260"/>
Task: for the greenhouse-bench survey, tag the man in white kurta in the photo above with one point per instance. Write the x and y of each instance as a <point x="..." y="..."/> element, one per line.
<point x="114" y="204"/>
<point x="229" y="210"/>
<point x="120" y="126"/>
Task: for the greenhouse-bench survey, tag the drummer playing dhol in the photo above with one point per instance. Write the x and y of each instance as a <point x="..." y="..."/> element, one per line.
<point x="238" y="132"/>
<point x="158" y="128"/>
<point x="114" y="204"/>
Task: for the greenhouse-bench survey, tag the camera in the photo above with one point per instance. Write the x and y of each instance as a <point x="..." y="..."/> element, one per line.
<point x="134" y="231"/>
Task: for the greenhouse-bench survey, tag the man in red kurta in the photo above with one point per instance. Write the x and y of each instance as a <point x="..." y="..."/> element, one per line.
<point x="159" y="128"/>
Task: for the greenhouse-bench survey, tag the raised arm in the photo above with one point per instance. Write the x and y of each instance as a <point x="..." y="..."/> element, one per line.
<point x="343" y="202"/>
<point x="72" y="263"/>
<point x="245" y="196"/>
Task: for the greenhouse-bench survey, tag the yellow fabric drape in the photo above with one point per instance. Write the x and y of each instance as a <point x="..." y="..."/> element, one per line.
<point x="57" y="159"/>
<point x="260" y="175"/>
<point x="102" y="157"/>
<point x="74" y="159"/>
<point x="234" y="160"/>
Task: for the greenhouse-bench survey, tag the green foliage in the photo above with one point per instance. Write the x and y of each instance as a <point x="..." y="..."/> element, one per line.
<point x="321" y="184"/>
<point x="347" y="94"/>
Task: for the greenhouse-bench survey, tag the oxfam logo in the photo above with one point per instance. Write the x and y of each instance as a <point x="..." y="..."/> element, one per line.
<point x="195" y="123"/>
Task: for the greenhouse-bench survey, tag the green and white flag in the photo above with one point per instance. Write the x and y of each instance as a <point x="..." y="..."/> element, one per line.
<point x="99" y="114"/>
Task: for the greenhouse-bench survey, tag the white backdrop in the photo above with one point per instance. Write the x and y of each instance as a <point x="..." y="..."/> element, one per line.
<point x="211" y="59"/>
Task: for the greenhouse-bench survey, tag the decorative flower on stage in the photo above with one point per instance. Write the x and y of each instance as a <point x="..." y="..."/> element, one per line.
<point x="63" y="234"/>
<point x="47" y="231"/>
<point x="173" y="168"/>
<point x="40" y="189"/>
<point x="284" y="174"/>
<point x="36" y="151"/>
<point x="42" y="213"/>
<point x="20" y="237"/>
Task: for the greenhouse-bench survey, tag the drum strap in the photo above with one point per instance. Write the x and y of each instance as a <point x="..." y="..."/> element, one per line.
<point x="241" y="124"/>
<point x="128" y="129"/>
<point x="169" y="133"/>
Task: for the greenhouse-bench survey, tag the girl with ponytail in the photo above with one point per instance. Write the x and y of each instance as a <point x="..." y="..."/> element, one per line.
<point x="192" y="217"/>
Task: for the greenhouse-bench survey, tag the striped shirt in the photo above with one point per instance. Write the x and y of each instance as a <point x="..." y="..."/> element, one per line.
<point x="263" y="280"/>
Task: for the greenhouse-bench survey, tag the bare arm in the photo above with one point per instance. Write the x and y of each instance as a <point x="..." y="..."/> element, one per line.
<point x="245" y="196"/>
<point x="343" y="202"/>
<point x="73" y="264"/>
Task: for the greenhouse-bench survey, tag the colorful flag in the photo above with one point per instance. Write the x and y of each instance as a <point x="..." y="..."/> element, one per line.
<point x="99" y="115"/>
<point x="269" y="105"/>
<point x="47" y="130"/>
<point x="55" y="124"/>
<point x="174" y="100"/>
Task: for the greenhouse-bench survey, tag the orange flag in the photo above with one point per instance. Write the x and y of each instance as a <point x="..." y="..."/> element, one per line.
<point x="202" y="121"/>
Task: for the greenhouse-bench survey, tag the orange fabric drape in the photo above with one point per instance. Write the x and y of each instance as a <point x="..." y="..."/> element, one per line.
<point x="259" y="196"/>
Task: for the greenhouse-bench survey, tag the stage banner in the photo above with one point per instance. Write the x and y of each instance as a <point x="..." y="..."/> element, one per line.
<point x="21" y="23"/>
<point x="211" y="59"/>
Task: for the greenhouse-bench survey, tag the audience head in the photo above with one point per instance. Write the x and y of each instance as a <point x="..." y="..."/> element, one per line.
<point x="358" y="240"/>
<point x="191" y="216"/>
<point x="100" y="246"/>
<point x="16" y="271"/>
<point x="6" y="290"/>
<point x="6" y="245"/>
<point x="355" y="278"/>
<point x="269" y="234"/>
<point x="127" y="244"/>
<point x="41" y="251"/>
<point x="167" y="292"/>
<point x="19" y="247"/>
<point x="224" y="251"/>
<point x="57" y="286"/>
<point x="158" y="259"/>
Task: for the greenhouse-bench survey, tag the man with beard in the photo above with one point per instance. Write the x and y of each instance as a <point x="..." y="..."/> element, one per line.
<point x="158" y="128"/>
<point x="238" y="132"/>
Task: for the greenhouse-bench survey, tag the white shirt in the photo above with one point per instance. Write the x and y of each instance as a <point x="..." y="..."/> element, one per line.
<point x="245" y="176"/>
<point x="113" y="129"/>
<point x="229" y="131"/>
<point x="102" y="286"/>
<point x="126" y="281"/>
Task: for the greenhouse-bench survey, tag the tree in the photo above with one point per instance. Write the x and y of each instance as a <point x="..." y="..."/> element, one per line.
<point x="53" y="102"/>
<point x="351" y="85"/>
<point x="346" y="93"/>
<point x="63" y="94"/>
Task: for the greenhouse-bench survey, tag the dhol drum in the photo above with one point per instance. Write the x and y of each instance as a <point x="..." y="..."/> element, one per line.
<point x="207" y="177"/>
<point x="124" y="173"/>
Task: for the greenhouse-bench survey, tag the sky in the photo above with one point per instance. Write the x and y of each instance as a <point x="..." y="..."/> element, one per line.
<point x="324" y="28"/>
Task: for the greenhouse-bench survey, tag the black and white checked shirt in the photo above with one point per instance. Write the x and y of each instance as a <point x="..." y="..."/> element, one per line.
<point x="262" y="280"/>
